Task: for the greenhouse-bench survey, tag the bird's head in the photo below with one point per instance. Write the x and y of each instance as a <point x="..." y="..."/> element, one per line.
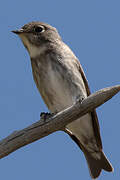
<point x="36" y="35"/>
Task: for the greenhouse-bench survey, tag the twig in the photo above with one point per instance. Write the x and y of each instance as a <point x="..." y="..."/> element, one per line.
<point x="57" y="122"/>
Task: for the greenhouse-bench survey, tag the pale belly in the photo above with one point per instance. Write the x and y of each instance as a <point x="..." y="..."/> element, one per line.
<point x="82" y="128"/>
<point x="62" y="98"/>
<point x="60" y="91"/>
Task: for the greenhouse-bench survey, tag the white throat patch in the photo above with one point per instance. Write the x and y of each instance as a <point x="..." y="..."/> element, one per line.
<point x="33" y="51"/>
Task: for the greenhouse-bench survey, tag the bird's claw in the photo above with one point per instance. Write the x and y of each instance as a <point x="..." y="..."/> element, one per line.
<point x="79" y="99"/>
<point x="44" y="116"/>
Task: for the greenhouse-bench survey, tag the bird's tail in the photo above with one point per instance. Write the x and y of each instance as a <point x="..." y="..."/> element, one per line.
<point x="95" y="164"/>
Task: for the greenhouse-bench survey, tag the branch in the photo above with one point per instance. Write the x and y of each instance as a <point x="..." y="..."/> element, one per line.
<point x="57" y="122"/>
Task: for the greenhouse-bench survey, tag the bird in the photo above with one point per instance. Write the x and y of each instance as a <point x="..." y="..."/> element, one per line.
<point x="60" y="79"/>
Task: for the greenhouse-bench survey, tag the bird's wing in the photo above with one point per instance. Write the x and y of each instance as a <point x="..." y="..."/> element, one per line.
<point x="93" y="113"/>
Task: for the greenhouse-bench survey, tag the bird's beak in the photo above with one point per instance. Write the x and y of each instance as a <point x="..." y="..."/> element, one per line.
<point x="19" y="31"/>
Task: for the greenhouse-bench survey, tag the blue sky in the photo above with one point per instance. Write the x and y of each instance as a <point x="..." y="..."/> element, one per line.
<point x="92" y="29"/>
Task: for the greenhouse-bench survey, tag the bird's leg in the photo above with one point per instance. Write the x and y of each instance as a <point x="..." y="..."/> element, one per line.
<point x="44" y="116"/>
<point x="79" y="99"/>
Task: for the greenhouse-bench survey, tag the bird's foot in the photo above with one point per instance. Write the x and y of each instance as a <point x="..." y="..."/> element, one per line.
<point x="79" y="99"/>
<point x="44" y="116"/>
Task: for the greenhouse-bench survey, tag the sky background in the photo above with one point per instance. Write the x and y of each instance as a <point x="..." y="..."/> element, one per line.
<point x="92" y="29"/>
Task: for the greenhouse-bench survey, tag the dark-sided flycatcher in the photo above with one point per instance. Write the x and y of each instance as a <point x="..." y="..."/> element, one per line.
<point x="60" y="80"/>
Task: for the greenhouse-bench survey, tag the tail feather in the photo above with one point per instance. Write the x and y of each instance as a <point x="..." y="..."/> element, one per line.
<point x="95" y="165"/>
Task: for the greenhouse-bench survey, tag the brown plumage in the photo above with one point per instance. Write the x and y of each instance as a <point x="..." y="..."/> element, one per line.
<point x="60" y="80"/>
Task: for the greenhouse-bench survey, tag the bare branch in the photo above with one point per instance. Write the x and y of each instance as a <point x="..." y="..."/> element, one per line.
<point x="43" y="128"/>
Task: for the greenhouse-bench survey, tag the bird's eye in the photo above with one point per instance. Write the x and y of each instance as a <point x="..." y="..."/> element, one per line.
<point x="39" y="29"/>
